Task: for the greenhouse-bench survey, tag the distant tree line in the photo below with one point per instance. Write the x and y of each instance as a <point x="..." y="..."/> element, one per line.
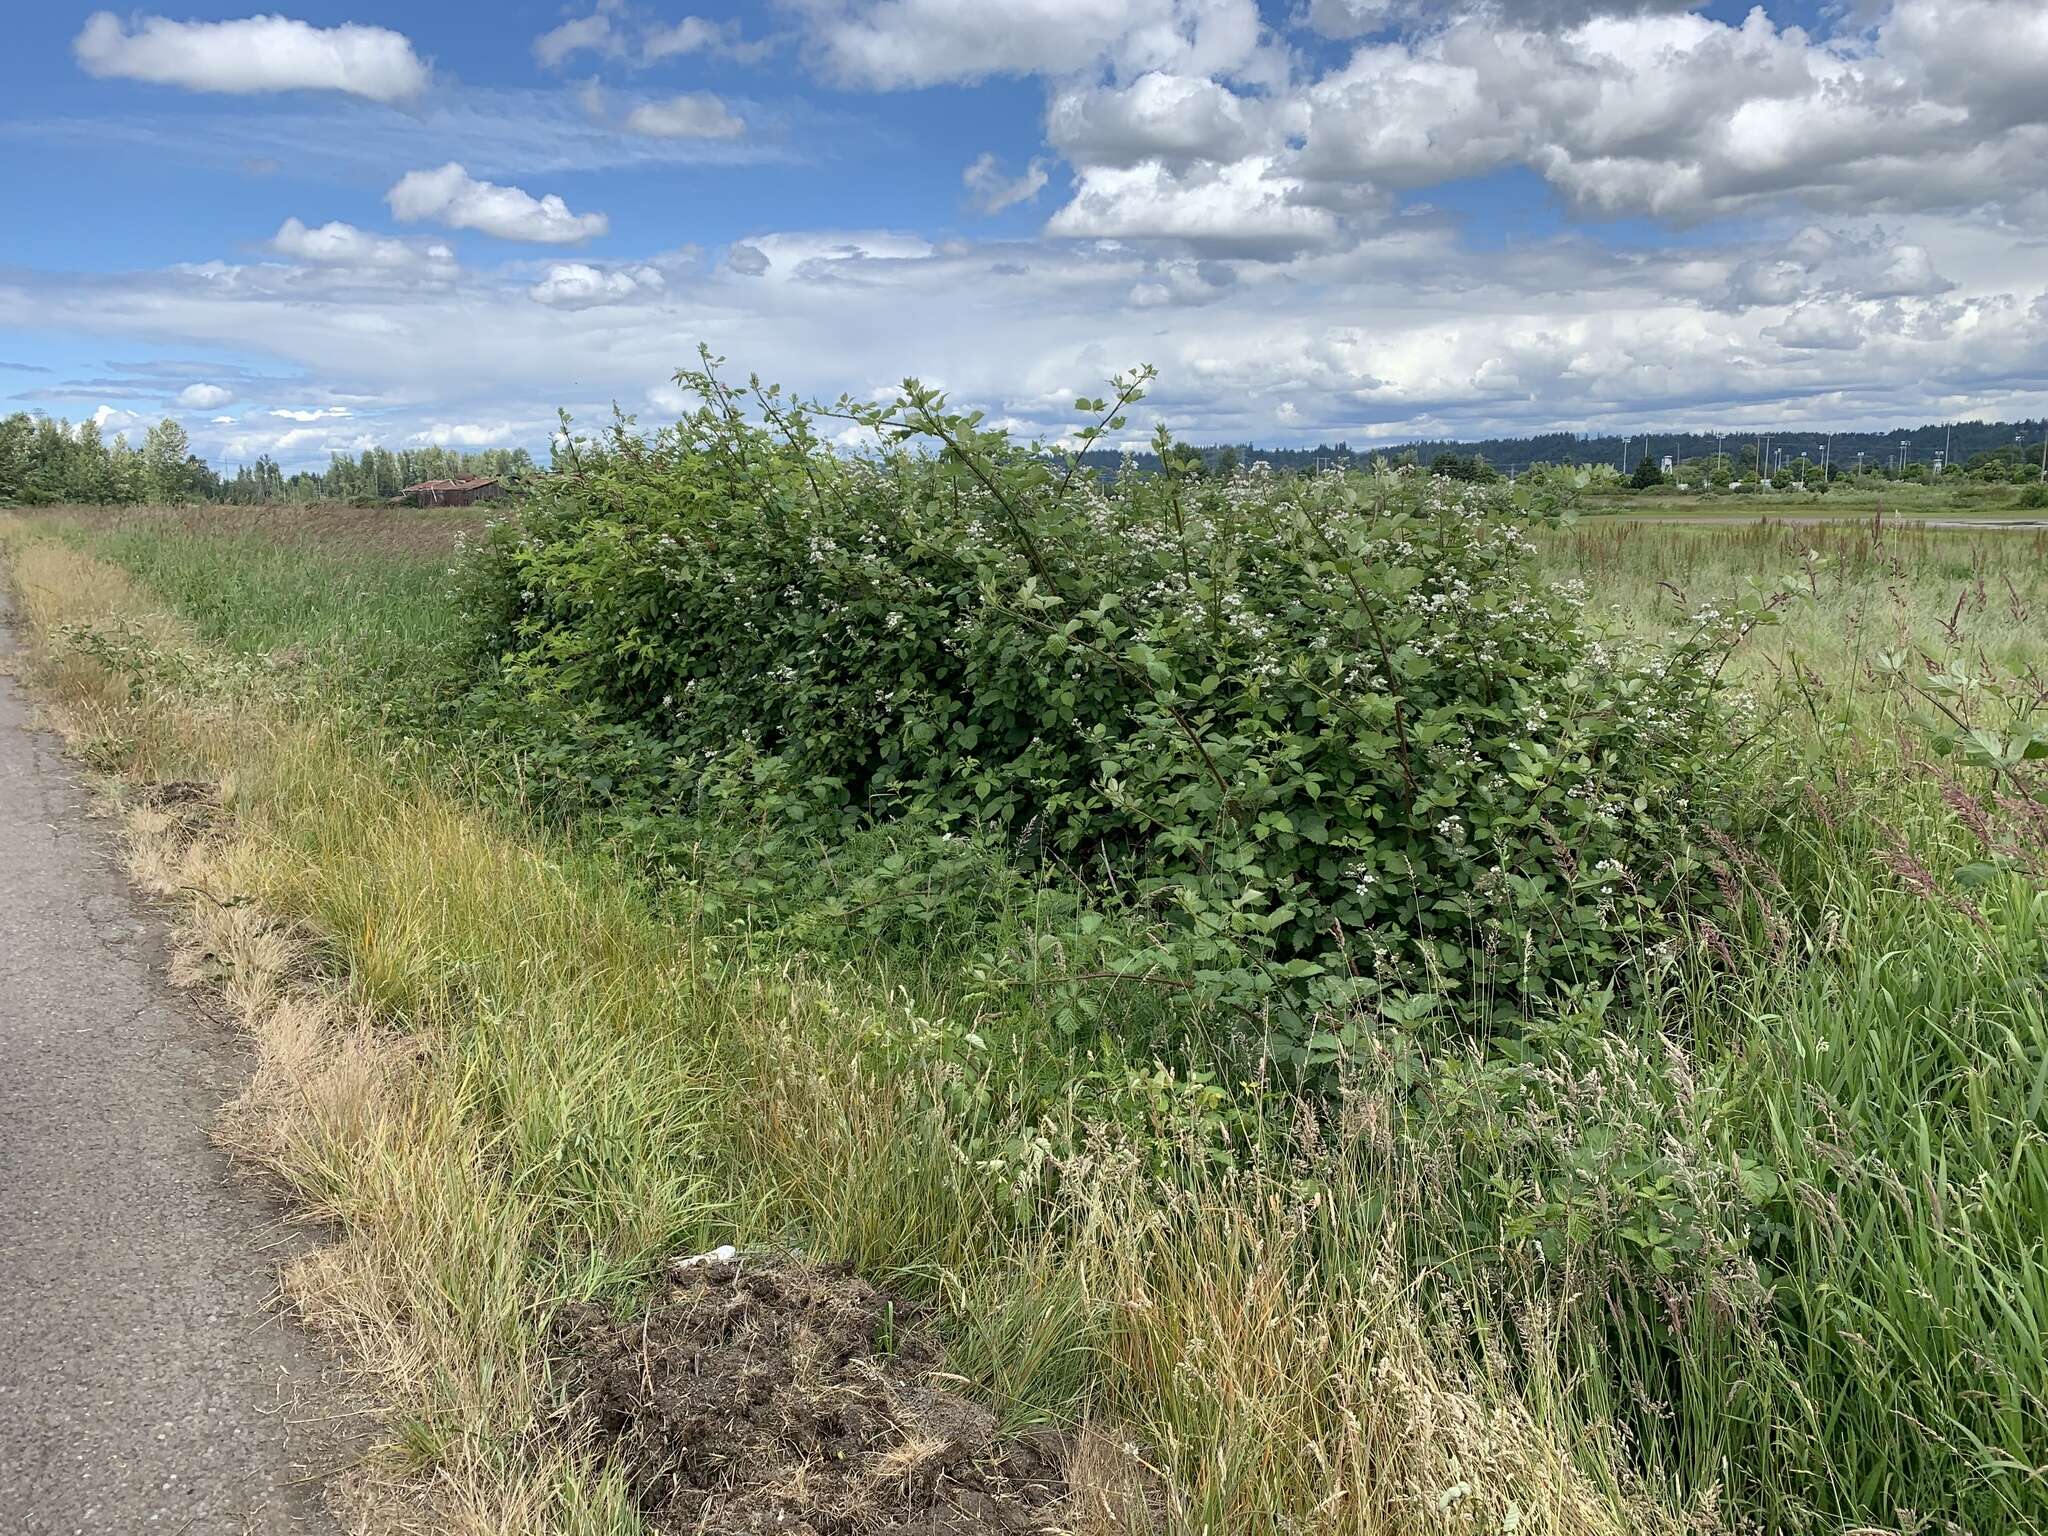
<point x="46" y="459"/>
<point x="43" y="460"/>
<point x="1972" y="444"/>
<point x="377" y="474"/>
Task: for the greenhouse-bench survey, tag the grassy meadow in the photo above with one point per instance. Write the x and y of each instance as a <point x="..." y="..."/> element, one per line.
<point x="1952" y="498"/>
<point x="1757" y="1247"/>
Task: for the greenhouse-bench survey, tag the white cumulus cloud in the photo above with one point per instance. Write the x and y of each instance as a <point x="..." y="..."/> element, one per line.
<point x="204" y="397"/>
<point x="1684" y="117"/>
<point x="898" y="44"/>
<point x="336" y="244"/>
<point x="1624" y="107"/>
<point x="577" y="285"/>
<point x="260" y="53"/>
<point x="1157" y="116"/>
<point x="1240" y="208"/>
<point x="1819" y="327"/>
<point x="466" y="434"/>
<point x="692" y="115"/>
<point x="451" y="196"/>
<point x="112" y="422"/>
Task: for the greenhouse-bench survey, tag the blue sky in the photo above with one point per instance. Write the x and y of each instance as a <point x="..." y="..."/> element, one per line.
<point x="353" y="224"/>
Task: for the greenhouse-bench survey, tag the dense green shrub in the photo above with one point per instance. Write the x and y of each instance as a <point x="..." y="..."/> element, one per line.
<point x="1328" y="739"/>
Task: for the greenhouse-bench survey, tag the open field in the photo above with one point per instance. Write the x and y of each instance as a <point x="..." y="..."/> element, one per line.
<point x="1952" y="497"/>
<point x="1756" y="1244"/>
<point x="1712" y="516"/>
<point x="1858" y="587"/>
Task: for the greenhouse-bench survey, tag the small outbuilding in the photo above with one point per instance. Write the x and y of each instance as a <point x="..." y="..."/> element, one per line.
<point x="454" y="493"/>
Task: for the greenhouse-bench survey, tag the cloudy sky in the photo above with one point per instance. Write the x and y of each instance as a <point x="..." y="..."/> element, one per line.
<point x="371" y="223"/>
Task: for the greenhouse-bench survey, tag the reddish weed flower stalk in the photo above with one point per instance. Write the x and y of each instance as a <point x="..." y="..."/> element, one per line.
<point x="1740" y="872"/>
<point x="1817" y="804"/>
<point x="2012" y="826"/>
<point x="2028" y="819"/>
<point x="1914" y="874"/>
<point x="1904" y="863"/>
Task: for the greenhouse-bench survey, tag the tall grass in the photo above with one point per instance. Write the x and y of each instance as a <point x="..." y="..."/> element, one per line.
<point x="537" y="1083"/>
<point x="1894" y="1076"/>
<point x="1862" y="586"/>
<point x="350" y="607"/>
<point x="1886" y="1054"/>
<point x="519" y="1084"/>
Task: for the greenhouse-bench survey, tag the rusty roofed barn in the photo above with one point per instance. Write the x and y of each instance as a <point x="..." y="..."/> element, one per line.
<point x="453" y="493"/>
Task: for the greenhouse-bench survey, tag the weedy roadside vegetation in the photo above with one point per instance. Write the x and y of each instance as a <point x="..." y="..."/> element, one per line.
<point x="960" y="869"/>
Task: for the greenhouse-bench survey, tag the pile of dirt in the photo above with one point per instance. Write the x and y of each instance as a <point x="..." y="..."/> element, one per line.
<point x="167" y="793"/>
<point x="763" y="1394"/>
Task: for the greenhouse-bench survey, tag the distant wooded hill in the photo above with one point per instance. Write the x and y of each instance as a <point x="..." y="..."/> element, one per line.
<point x="1961" y="441"/>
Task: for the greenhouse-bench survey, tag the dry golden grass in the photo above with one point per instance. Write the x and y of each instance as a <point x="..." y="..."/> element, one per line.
<point x="418" y="1292"/>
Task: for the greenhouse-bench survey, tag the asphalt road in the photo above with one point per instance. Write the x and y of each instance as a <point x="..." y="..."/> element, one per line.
<point x="147" y="1383"/>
